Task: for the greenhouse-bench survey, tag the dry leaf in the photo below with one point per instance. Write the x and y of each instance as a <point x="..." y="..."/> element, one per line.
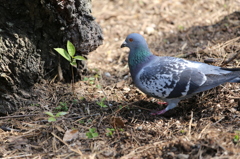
<point x="17" y="140"/>
<point x="70" y="135"/>
<point x="82" y="136"/>
<point x="117" y="122"/>
<point x="120" y="84"/>
<point x="59" y="128"/>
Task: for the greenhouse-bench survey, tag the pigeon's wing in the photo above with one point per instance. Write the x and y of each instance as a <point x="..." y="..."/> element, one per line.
<point x="214" y="75"/>
<point x="177" y="78"/>
<point x="169" y="77"/>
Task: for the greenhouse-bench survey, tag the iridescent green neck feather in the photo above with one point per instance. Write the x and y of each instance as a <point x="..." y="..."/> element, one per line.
<point x="138" y="56"/>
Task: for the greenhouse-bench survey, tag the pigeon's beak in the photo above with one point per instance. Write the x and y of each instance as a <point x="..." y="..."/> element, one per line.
<point x="124" y="44"/>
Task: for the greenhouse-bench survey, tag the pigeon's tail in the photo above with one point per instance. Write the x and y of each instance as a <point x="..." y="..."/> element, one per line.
<point x="235" y="71"/>
<point x="236" y="80"/>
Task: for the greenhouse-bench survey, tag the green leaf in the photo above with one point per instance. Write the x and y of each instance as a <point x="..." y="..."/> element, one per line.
<point x="61" y="114"/>
<point x="235" y="139"/>
<point x="49" y="114"/>
<point x="89" y="135"/>
<point x="104" y="106"/>
<point x="70" y="48"/>
<point x="91" y="78"/>
<point x="95" y="134"/>
<point x="121" y="129"/>
<point x="63" y="53"/>
<point x="99" y="86"/>
<point x="74" y="63"/>
<point x="81" y="121"/>
<point x="79" y="58"/>
<point x="92" y="130"/>
<point x="51" y="119"/>
<point x="85" y="79"/>
<point x="110" y="131"/>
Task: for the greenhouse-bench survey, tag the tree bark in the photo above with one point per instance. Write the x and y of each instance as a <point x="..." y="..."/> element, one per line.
<point x="29" y="30"/>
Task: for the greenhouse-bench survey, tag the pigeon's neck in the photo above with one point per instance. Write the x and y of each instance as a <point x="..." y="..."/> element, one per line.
<point x="138" y="58"/>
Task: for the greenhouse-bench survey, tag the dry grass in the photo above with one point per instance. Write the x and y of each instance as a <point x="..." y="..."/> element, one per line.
<point x="205" y="126"/>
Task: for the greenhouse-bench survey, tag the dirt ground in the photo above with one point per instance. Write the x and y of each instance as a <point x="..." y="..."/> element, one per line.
<point x="204" y="126"/>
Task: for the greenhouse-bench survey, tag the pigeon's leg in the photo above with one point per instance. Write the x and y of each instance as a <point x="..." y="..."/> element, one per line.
<point x="172" y="105"/>
<point x="159" y="112"/>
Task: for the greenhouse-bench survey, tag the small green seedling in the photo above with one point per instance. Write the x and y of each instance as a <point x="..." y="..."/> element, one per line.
<point x="98" y="86"/>
<point x="62" y="106"/>
<point x="120" y="107"/>
<point x="35" y="105"/>
<point x="121" y="129"/>
<point x="92" y="133"/>
<point x="182" y="131"/>
<point x="69" y="54"/>
<point x="75" y="101"/>
<point x="81" y="121"/>
<point x="81" y="98"/>
<point x="101" y="103"/>
<point x="109" y="131"/>
<point x="53" y="117"/>
<point x="89" y="121"/>
<point x="91" y="80"/>
<point x="181" y="28"/>
<point x="236" y="138"/>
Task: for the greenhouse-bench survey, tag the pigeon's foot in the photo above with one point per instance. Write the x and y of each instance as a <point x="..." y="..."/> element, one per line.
<point x="159" y="112"/>
<point x="162" y="103"/>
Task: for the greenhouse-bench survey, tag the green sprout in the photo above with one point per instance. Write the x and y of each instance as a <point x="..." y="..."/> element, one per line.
<point x="53" y="117"/>
<point x="69" y="54"/>
<point x="236" y="137"/>
<point x="35" y="105"/>
<point x="109" y="131"/>
<point x="62" y="106"/>
<point x="180" y="27"/>
<point x="182" y="131"/>
<point x="101" y="103"/>
<point x="91" y="80"/>
<point x="92" y="133"/>
<point x="81" y="121"/>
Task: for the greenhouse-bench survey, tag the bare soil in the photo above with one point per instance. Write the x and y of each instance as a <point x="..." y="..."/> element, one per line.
<point x="204" y="126"/>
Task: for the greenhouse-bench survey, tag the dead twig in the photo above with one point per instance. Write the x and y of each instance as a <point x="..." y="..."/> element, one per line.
<point x="190" y="125"/>
<point x="235" y="56"/>
<point x="200" y="135"/>
<point x="74" y="150"/>
<point x="18" y="116"/>
<point x="4" y="128"/>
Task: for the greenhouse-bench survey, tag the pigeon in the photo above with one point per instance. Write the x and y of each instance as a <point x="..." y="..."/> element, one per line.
<point x="172" y="79"/>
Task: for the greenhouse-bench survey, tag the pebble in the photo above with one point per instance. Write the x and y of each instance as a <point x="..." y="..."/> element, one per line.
<point x="107" y="74"/>
<point x="139" y="128"/>
<point x="182" y="156"/>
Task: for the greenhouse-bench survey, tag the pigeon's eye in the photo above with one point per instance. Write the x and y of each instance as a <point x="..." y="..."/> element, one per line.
<point x="131" y="40"/>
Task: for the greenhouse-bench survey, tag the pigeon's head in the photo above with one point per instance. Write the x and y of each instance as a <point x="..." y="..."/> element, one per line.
<point x="134" y="41"/>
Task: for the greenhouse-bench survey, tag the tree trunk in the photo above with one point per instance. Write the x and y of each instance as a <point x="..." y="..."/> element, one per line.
<point x="29" y="30"/>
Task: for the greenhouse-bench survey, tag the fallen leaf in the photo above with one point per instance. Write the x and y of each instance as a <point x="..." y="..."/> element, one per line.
<point x="82" y="136"/>
<point x="70" y="135"/>
<point x="120" y="84"/>
<point x="18" y="142"/>
<point x="59" y="128"/>
<point x="117" y="122"/>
